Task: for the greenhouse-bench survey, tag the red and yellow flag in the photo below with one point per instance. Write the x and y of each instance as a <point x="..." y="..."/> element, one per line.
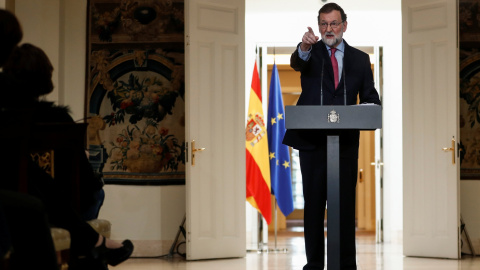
<point x="258" y="166"/>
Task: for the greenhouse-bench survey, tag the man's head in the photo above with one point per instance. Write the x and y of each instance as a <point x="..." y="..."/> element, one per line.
<point x="332" y="22"/>
<point x="10" y="34"/>
<point x="31" y="68"/>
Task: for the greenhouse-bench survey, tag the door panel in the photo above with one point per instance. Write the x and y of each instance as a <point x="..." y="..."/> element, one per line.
<point x="215" y="113"/>
<point x="430" y="113"/>
<point x="366" y="182"/>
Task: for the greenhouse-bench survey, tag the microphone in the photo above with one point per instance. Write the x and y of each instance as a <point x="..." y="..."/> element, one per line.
<point x="344" y="87"/>
<point x="321" y="84"/>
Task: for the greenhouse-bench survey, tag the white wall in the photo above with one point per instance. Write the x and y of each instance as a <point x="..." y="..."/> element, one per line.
<point x="73" y="50"/>
<point x="469" y="201"/>
<point x="283" y="22"/>
<point x="45" y="34"/>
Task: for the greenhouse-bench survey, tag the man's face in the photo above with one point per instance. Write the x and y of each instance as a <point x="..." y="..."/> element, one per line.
<point x="330" y="35"/>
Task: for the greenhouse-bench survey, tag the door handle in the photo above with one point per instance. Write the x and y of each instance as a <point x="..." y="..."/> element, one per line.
<point x="360" y="175"/>
<point x="379" y="163"/>
<point x="195" y="150"/>
<point x="445" y="149"/>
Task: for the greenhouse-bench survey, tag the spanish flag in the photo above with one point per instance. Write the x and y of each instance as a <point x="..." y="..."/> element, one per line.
<point x="258" y="166"/>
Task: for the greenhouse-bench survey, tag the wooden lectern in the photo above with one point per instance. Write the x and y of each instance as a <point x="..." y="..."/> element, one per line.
<point x="361" y="117"/>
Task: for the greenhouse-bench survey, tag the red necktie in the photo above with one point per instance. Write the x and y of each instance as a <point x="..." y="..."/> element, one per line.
<point x="335" y="66"/>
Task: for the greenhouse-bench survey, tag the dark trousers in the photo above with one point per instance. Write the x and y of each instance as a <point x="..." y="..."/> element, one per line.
<point x="57" y="203"/>
<point x="62" y="213"/>
<point x="313" y="165"/>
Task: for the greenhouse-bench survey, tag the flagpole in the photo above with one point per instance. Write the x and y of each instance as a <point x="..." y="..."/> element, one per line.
<point x="275" y="209"/>
<point x="259" y="248"/>
<point x="275" y="196"/>
<point x="281" y="169"/>
<point x="260" y="233"/>
<point x="257" y="150"/>
<point x="258" y="52"/>
<point x="277" y="250"/>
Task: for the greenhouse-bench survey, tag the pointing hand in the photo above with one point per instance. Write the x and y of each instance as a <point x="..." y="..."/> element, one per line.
<point x="308" y="39"/>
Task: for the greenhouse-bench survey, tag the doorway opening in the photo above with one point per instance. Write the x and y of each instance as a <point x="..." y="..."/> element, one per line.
<point x="369" y="182"/>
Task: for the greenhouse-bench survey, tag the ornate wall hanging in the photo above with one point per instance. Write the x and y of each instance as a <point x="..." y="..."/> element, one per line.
<point x="469" y="89"/>
<point x="135" y="91"/>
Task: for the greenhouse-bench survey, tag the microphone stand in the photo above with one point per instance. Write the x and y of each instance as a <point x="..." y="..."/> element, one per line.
<point x="321" y="84"/>
<point x="344" y="87"/>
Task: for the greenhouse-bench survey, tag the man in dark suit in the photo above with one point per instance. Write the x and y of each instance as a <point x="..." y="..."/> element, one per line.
<point x="324" y="80"/>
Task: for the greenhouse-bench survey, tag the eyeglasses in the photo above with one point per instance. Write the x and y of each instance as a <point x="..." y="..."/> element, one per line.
<point x="333" y="25"/>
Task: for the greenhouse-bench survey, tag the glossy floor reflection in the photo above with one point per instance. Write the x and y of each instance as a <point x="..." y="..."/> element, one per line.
<point x="370" y="256"/>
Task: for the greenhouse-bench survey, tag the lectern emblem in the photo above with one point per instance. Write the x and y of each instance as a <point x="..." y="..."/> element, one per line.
<point x="333" y="117"/>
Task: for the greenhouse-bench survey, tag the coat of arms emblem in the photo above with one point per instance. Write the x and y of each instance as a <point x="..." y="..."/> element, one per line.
<point x="333" y="117"/>
<point x="255" y="129"/>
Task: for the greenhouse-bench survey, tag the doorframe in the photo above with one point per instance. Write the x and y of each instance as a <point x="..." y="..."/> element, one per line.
<point x="378" y="79"/>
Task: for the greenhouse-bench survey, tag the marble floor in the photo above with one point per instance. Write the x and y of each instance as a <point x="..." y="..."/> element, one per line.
<point x="370" y="256"/>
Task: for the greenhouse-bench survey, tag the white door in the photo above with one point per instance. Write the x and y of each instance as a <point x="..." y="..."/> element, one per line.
<point x="430" y="112"/>
<point x="215" y="119"/>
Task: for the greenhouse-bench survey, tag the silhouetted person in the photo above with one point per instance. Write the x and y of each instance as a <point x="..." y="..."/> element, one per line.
<point x="29" y="74"/>
<point x="25" y="234"/>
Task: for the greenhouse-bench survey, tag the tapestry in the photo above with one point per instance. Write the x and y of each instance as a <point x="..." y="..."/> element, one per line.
<point x="135" y="91"/>
<point x="469" y="23"/>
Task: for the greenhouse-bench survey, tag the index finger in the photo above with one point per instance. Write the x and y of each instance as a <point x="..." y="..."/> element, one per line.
<point x="310" y="30"/>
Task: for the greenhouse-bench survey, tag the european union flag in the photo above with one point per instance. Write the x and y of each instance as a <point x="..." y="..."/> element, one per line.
<point x="280" y="173"/>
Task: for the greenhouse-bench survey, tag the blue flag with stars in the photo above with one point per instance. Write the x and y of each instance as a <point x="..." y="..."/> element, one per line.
<point x="280" y="174"/>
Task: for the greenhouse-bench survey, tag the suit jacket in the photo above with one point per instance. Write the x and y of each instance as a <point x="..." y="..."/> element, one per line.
<point x="358" y="78"/>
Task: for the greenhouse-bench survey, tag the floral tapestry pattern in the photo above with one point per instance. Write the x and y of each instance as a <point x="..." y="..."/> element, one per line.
<point x="135" y="91"/>
<point x="469" y="22"/>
